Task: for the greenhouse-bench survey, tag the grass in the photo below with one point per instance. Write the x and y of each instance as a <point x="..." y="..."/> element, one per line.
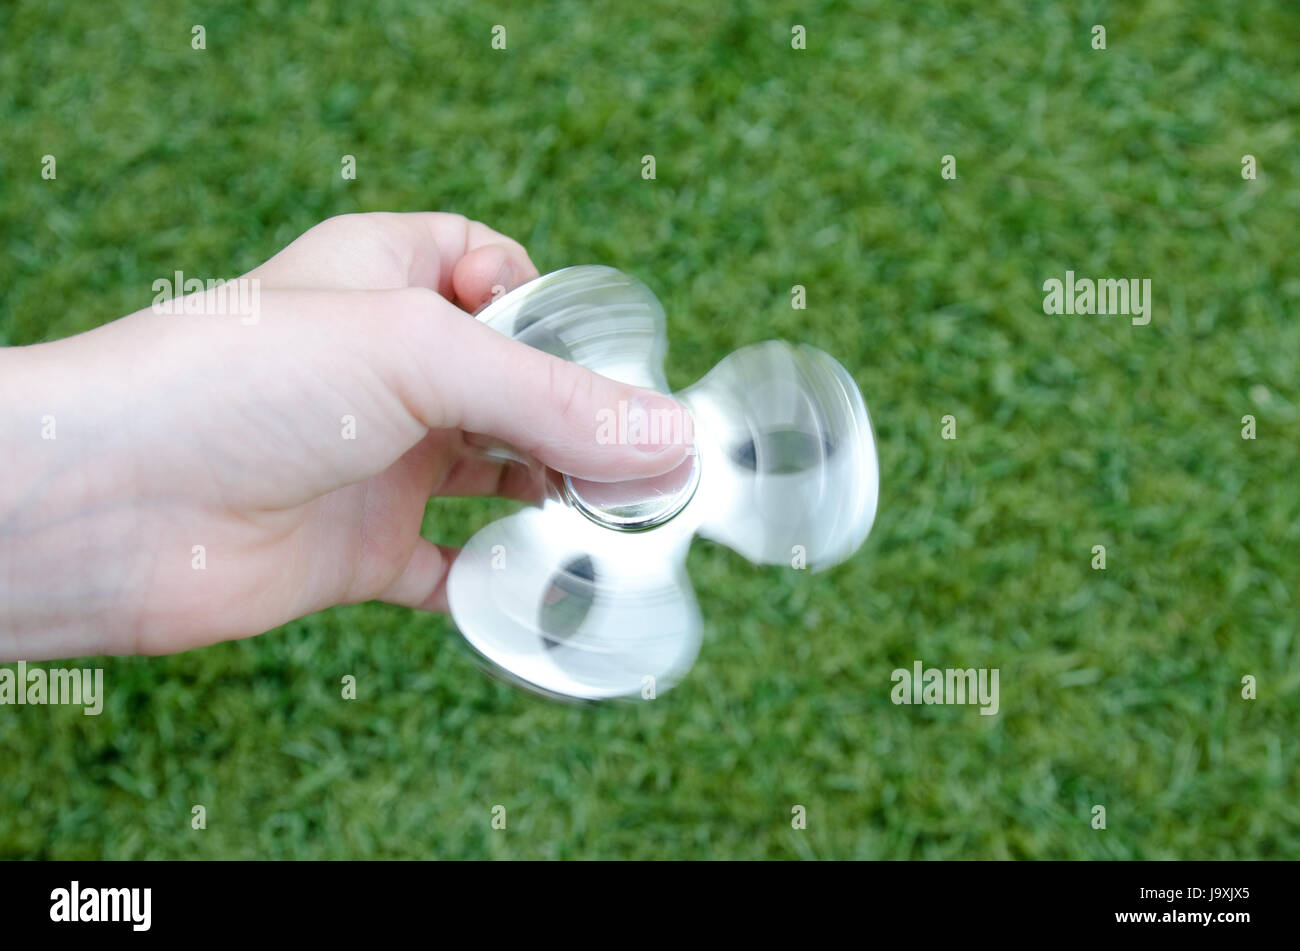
<point x="775" y="167"/>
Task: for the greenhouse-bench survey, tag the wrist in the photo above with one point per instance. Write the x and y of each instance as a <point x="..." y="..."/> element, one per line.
<point x="59" y="525"/>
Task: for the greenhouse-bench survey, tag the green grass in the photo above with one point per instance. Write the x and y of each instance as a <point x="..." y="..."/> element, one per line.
<point x="775" y="168"/>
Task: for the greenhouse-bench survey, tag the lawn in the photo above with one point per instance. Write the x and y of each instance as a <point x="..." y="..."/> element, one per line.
<point x="775" y="167"/>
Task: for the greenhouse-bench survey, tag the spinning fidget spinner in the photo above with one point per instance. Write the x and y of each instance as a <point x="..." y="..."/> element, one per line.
<point x="587" y="596"/>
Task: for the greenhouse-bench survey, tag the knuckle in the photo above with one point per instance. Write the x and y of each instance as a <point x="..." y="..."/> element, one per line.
<point x="570" y="389"/>
<point x="338" y="223"/>
<point x="414" y="303"/>
<point x="458" y="224"/>
<point x="418" y="299"/>
<point x="411" y="313"/>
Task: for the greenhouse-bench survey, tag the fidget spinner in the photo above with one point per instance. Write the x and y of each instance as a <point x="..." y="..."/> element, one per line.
<point x="586" y="596"/>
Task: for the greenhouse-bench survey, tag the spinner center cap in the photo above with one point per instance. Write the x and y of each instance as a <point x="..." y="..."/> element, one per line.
<point x="637" y="504"/>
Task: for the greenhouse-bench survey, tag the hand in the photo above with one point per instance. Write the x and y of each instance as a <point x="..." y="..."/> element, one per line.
<point x="176" y="431"/>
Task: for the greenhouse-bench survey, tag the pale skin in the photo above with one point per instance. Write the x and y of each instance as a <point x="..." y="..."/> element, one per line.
<point x="176" y="431"/>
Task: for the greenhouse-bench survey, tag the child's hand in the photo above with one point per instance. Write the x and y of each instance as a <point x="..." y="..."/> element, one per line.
<point x="127" y="447"/>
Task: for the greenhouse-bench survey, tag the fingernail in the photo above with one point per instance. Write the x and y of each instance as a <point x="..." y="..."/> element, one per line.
<point x="505" y="278"/>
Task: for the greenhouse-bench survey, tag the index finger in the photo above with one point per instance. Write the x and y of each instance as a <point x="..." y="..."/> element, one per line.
<point x="391" y="250"/>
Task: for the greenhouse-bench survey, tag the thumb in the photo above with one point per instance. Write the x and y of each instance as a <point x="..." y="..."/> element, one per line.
<point x="474" y="378"/>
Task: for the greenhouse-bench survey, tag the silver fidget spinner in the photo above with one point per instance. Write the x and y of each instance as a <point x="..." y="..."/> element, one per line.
<point x="587" y="596"/>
